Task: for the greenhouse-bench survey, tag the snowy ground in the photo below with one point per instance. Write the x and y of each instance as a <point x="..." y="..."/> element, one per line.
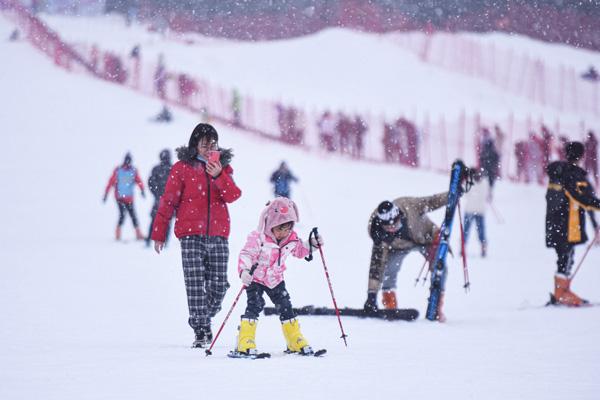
<point x="85" y="317"/>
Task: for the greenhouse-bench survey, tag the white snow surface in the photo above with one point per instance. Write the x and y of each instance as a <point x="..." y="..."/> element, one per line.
<point x="84" y="317"/>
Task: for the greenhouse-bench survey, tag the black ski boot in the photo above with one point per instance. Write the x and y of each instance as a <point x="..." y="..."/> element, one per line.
<point x="203" y="338"/>
<point x="370" y="306"/>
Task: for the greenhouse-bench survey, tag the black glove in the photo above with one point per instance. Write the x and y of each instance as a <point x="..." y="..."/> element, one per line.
<point x="371" y="303"/>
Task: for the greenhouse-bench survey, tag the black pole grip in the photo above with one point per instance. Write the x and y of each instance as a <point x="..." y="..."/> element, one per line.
<point x="314" y="232"/>
<point x="253" y="269"/>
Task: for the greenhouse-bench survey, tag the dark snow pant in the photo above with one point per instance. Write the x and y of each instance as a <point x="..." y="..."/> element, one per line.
<point x="152" y="215"/>
<point x="127" y="207"/>
<point x="479" y="223"/>
<point x="278" y="295"/>
<point x="393" y="265"/>
<point x="566" y="258"/>
<point x="204" y="261"/>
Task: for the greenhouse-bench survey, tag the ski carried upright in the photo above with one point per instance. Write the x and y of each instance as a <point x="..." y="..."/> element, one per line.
<point x="460" y="182"/>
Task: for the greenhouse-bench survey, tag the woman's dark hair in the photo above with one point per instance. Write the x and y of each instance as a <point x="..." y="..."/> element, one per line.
<point x="200" y="132"/>
<point x="188" y="153"/>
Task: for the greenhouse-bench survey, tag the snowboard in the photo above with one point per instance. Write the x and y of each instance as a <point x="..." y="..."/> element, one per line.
<point x="400" y="314"/>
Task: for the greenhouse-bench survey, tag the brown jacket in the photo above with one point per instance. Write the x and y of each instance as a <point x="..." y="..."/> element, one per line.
<point x="421" y="230"/>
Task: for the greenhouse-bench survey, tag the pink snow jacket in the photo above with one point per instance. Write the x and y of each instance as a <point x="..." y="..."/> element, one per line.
<point x="262" y="249"/>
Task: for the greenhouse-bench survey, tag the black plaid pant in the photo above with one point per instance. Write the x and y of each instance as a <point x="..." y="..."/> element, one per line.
<point x="278" y="295"/>
<point x="204" y="261"/>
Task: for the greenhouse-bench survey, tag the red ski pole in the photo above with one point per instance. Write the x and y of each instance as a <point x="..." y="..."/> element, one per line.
<point x="337" y="311"/>
<point x="208" y="351"/>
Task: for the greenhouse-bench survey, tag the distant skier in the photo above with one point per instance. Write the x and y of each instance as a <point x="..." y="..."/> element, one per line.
<point x="236" y="108"/>
<point x="281" y="179"/>
<point x="123" y="179"/>
<point x="569" y="194"/>
<point x="591" y="157"/>
<point x="266" y="249"/>
<point x="164" y="115"/>
<point x="489" y="158"/>
<point x="198" y="190"/>
<point x="14" y="36"/>
<point x="398" y="228"/>
<point x="156" y="184"/>
<point x="160" y="78"/>
<point x="476" y="200"/>
<point x="591" y="74"/>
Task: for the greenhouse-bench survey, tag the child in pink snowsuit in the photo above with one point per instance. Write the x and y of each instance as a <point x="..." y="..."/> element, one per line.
<point x="266" y="249"/>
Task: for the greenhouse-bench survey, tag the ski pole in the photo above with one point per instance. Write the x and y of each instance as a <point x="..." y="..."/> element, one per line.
<point x="463" y="251"/>
<point x="337" y="311"/>
<point x="425" y="277"/>
<point x="421" y="272"/>
<point x="428" y="259"/>
<point x="589" y="246"/>
<point x="208" y="351"/>
<point x="496" y="213"/>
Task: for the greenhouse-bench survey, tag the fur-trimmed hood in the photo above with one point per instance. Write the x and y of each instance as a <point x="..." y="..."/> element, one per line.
<point x="187" y="155"/>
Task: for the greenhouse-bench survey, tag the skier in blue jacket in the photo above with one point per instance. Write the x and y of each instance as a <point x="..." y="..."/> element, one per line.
<point x="281" y="179"/>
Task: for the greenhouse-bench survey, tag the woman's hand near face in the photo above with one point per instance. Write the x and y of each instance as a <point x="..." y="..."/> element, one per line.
<point x="214" y="168"/>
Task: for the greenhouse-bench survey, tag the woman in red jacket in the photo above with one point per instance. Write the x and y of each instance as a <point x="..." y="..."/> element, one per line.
<point x="197" y="191"/>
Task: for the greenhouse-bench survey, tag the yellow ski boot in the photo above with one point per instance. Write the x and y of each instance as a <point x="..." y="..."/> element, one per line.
<point x="246" y="335"/>
<point x="296" y="343"/>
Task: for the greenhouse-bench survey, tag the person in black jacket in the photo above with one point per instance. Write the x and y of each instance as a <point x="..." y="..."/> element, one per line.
<point x="569" y="195"/>
<point x="156" y="183"/>
<point x="489" y="158"/>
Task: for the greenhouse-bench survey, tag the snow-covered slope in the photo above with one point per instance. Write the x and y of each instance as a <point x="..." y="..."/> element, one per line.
<point x="334" y="68"/>
<point x="85" y="317"/>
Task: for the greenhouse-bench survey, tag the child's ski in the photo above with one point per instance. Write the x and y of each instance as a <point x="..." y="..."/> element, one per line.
<point x="458" y="174"/>
<point x="309" y="353"/>
<point x="250" y="356"/>
<point x="256" y="356"/>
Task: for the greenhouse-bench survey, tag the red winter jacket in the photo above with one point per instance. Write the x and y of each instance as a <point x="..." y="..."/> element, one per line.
<point x="199" y="200"/>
